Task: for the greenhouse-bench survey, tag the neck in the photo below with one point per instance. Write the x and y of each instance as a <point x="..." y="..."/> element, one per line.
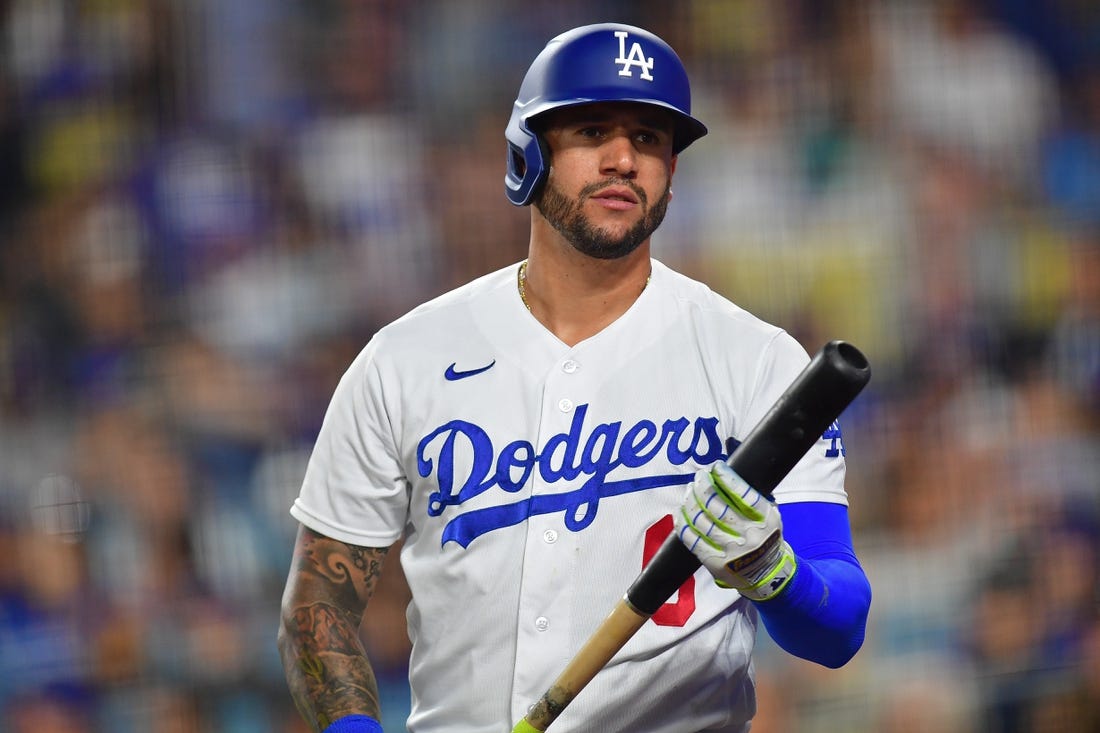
<point x="576" y="296"/>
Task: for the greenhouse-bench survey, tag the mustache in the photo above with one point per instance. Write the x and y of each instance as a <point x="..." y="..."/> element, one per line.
<point x="592" y="188"/>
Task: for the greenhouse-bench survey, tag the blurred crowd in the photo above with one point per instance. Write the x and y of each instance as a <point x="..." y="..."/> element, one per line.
<point x="207" y="208"/>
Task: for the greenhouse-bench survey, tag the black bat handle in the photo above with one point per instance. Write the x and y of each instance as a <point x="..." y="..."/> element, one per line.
<point x="794" y="423"/>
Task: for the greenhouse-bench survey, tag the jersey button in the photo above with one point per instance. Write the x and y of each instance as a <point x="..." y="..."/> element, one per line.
<point x="565" y="405"/>
<point x="570" y="366"/>
<point x="550" y="536"/>
<point x="542" y="623"/>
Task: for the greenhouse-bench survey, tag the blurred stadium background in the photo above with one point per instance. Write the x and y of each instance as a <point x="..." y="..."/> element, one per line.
<point x="208" y="206"/>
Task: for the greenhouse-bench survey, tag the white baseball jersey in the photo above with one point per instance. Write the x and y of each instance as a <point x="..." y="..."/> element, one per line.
<point x="532" y="481"/>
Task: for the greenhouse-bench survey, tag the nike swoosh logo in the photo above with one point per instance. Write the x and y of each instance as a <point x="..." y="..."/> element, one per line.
<point x="453" y="375"/>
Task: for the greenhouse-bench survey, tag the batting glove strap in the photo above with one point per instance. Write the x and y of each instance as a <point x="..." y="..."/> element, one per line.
<point x="770" y="583"/>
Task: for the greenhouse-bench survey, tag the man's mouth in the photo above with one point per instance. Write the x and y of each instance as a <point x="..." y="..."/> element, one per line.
<point x="619" y="198"/>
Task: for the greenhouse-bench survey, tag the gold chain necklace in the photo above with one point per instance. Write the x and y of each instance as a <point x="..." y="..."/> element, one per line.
<point x="521" y="283"/>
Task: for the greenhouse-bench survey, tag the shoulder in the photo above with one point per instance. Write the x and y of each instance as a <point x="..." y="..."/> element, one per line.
<point x="719" y="319"/>
<point x="450" y="316"/>
<point x="757" y="357"/>
<point x="447" y="324"/>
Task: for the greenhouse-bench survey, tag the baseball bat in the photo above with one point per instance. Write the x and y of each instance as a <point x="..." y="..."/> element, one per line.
<point x="817" y="397"/>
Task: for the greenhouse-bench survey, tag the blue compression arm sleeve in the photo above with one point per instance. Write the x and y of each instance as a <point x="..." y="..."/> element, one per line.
<point x="822" y="613"/>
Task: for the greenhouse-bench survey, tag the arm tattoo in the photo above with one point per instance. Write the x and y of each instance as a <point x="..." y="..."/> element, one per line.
<point x="325" y="665"/>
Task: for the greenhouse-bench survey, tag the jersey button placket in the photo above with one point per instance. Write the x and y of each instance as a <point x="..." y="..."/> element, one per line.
<point x="569" y="366"/>
<point x="550" y="551"/>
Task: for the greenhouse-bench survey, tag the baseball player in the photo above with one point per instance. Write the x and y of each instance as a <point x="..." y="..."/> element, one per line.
<point x="535" y="435"/>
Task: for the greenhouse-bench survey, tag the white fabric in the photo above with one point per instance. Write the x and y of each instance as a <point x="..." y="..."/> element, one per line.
<point x="521" y="493"/>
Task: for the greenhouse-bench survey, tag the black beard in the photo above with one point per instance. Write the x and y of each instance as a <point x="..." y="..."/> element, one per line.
<point x="564" y="214"/>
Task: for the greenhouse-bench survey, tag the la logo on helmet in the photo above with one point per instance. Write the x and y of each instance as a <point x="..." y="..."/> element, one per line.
<point x="636" y="58"/>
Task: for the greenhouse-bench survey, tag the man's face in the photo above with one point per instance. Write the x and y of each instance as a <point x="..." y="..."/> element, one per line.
<point x="611" y="168"/>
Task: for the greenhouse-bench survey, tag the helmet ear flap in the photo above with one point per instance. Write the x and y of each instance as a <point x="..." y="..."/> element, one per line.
<point x="527" y="168"/>
<point x="543" y="168"/>
<point x="516" y="161"/>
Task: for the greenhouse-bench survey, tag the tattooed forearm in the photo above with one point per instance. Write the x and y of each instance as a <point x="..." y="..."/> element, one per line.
<point x="326" y="668"/>
<point x="331" y="676"/>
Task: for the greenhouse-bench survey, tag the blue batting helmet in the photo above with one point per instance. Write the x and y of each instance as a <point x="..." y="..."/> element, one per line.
<point x="607" y="62"/>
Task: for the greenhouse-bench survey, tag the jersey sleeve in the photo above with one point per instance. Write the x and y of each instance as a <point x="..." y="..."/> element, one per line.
<point x="354" y="489"/>
<point x="819" y="475"/>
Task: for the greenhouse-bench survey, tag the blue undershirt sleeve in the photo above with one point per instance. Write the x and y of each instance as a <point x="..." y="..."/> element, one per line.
<point x="822" y="613"/>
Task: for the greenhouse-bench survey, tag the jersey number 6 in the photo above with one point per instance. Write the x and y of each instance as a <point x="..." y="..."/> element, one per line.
<point x="673" y="613"/>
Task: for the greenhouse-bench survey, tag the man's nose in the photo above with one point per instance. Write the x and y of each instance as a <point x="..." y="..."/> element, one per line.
<point x="619" y="157"/>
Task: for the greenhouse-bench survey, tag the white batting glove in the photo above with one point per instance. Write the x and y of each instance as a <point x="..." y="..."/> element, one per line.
<point x="736" y="533"/>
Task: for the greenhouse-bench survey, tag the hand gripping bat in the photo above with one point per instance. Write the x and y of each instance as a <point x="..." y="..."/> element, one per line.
<point x="828" y="384"/>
